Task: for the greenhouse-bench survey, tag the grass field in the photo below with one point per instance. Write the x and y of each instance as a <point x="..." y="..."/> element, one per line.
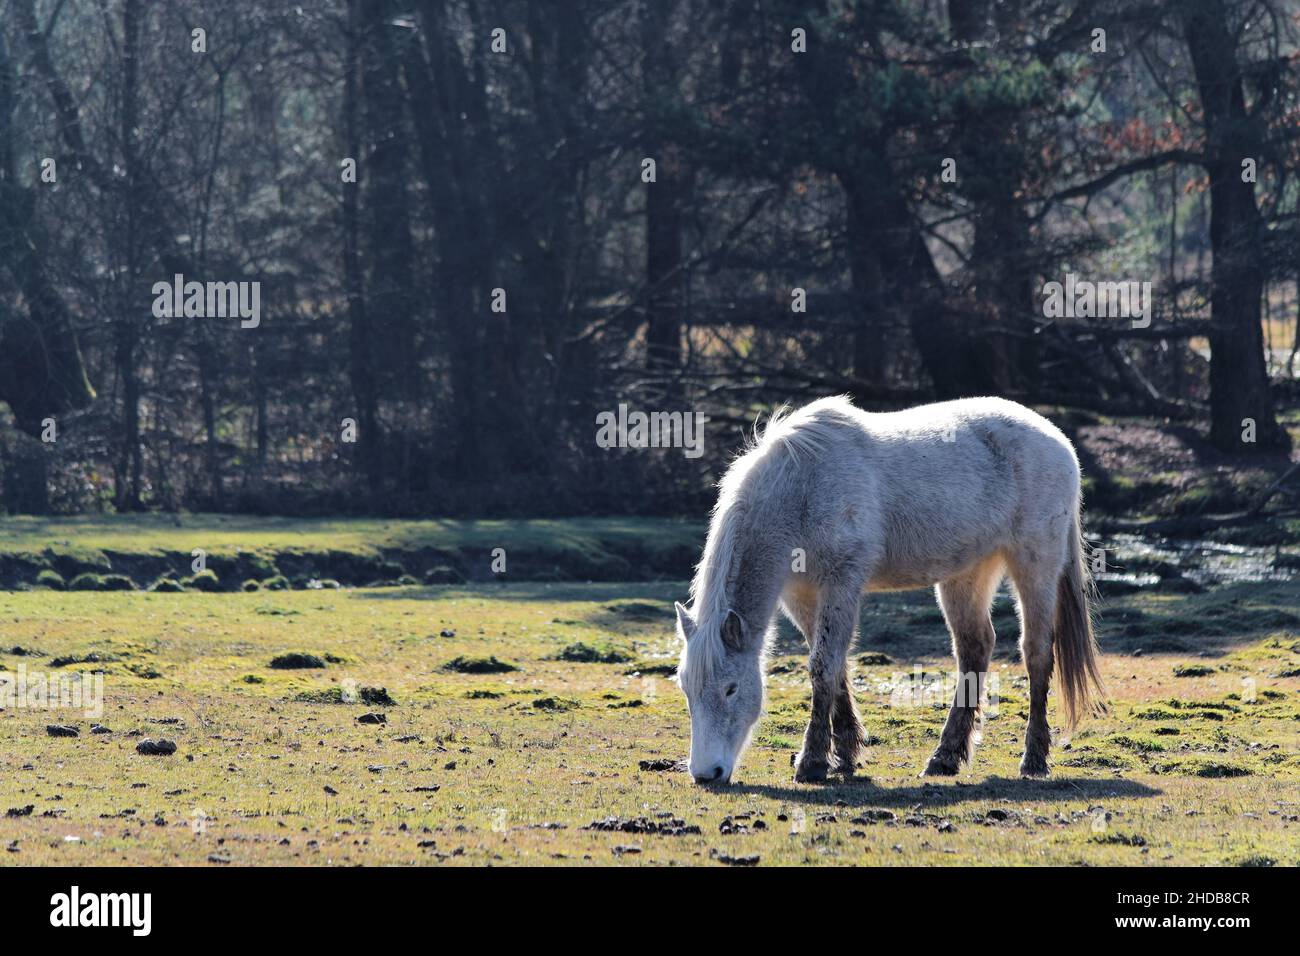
<point x="474" y="763"/>
<point x="352" y="551"/>
<point x="226" y="533"/>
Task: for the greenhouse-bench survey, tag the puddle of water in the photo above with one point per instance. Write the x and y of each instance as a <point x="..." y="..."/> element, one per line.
<point x="1145" y="561"/>
<point x="1135" y="580"/>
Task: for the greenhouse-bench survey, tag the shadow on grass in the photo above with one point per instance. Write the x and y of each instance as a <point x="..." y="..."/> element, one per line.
<point x="861" y="792"/>
<point x="908" y="626"/>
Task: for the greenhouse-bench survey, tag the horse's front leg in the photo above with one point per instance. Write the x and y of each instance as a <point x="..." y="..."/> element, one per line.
<point x="837" y="615"/>
<point x="847" y="732"/>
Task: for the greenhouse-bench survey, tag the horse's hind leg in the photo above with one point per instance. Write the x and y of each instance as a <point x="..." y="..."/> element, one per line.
<point x="847" y="733"/>
<point x="965" y="601"/>
<point x="1036" y="578"/>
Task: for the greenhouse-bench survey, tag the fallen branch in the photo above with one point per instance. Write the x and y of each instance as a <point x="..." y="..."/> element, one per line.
<point x="1278" y="486"/>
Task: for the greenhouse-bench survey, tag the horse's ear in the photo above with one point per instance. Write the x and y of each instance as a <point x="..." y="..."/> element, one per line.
<point x="733" y="632"/>
<point x="684" y="623"/>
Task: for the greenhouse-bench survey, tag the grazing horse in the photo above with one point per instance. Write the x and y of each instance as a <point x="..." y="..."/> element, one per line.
<point x="833" y="501"/>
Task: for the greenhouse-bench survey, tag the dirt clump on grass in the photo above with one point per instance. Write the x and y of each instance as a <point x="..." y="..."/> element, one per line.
<point x="296" y="661"/>
<point x="375" y="696"/>
<point x="727" y="859"/>
<point x="663" y="765"/>
<point x="558" y="704"/>
<point x="669" y="826"/>
<point x="581" y="653"/>
<point x="156" y="748"/>
<point x="478" y="665"/>
<point x="652" y="669"/>
<point x="92" y="658"/>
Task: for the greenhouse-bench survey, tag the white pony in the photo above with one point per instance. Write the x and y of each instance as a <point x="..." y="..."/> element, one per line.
<point x="832" y="501"/>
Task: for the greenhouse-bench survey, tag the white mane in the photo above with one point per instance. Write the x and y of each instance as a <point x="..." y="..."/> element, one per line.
<point x="787" y="438"/>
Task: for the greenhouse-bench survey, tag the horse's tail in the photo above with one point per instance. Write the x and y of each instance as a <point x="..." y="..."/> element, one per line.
<point x="1077" y="675"/>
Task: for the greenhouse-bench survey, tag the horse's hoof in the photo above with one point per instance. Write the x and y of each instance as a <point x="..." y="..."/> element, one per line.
<point x="844" y="768"/>
<point x="810" y="773"/>
<point x="941" y="767"/>
<point x="1034" y="769"/>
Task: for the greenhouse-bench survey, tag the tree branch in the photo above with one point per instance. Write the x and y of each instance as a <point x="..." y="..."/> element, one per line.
<point x="1154" y="161"/>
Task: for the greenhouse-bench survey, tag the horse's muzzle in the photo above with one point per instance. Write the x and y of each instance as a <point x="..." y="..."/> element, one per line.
<point x="716" y="775"/>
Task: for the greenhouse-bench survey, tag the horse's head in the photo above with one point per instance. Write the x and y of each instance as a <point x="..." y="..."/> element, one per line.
<point x="722" y="677"/>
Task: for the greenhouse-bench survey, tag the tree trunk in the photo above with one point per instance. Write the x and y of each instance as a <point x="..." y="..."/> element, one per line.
<point x="41" y="368"/>
<point x="870" y="361"/>
<point x="910" y="286"/>
<point x="990" y="167"/>
<point x="386" y="218"/>
<point x="904" y="278"/>
<point x="361" y="362"/>
<point x="26" y="489"/>
<point x="129" y="465"/>
<point x="664" y="197"/>
<point x="663" y="215"/>
<point x="462" y="168"/>
<point x="439" y="93"/>
<point x="386" y="214"/>
<point x="1239" y="386"/>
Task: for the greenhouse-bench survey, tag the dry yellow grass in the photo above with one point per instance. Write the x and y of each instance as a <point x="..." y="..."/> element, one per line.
<point x="511" y="767"/>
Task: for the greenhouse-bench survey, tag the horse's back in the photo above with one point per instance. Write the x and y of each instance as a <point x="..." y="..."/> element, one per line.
<point x="987" y="441"/>
<point x="929" y="490"/>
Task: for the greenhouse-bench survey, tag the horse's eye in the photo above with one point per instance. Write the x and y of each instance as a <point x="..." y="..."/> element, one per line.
<point x="731" y="690"/>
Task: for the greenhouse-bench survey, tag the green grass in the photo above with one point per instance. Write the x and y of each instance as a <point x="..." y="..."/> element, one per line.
<point x="216" y="532"/>
<point x="273" y="766"/>
<point x="295" y="551"/>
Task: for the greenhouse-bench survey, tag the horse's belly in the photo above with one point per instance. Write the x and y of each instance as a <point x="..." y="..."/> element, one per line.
<point x="907" y="575"/>
<point x="899" y="580"/>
